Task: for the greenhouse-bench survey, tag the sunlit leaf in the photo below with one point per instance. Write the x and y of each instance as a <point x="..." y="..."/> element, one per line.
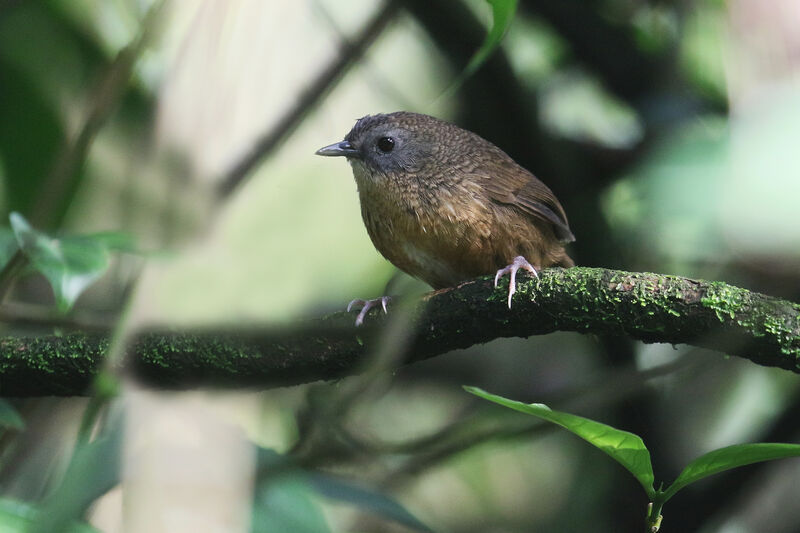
<point x="70" y="264"/>
<point x="366" y="499"/>
<point x="9" y="417"/>
<point x="730" y="457"/>
<point x="16" y="516"/>
<point x="626" y="448"/>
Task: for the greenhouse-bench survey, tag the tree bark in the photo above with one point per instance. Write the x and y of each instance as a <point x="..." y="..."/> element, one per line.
<point x="642" y="306"/>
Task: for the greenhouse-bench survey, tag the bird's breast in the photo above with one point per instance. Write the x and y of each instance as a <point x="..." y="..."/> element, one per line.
<point x="439" y="236"/>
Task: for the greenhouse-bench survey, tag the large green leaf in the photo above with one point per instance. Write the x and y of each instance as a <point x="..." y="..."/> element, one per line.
<point x="626" y="448"/>
<point x="730" y="457"/>
<point x="70" y="264"/>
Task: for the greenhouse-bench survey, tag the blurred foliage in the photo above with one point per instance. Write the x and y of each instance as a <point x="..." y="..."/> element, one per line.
<point x="70" y="264"/>
<point x="39" y="77"/>
<point x="702" y="49"/>
<point x="643" y="208"/>
<point x="283" y="498"/>
<point x="17" y="517"/>
<point x="9" y="417"/>
<point x="502" y="16"/>
<point x="93" y="470"/>
<point x="576" y="106"/>
<point x="646" y="120"/>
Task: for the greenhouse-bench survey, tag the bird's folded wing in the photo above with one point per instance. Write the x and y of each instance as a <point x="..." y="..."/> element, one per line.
<point x="513" y="185"/>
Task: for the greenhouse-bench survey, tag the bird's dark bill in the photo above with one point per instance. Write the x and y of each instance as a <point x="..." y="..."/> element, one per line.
<point x="343" y="148"/>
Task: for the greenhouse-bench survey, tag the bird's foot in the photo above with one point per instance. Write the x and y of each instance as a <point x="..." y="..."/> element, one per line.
<point x="519" y="262"/>
<point x="366" y="305"/>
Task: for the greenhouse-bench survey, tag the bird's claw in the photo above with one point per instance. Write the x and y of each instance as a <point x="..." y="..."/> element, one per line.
<point x="366" y="306"/>
<point x="519" y="262"/>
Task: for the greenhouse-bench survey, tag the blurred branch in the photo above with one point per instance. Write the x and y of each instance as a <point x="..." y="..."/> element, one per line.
<point x="63" y="179"/>
<point x="642" y="306"/>
<point x="375" y="77"/>
<point x="350" y="54"/>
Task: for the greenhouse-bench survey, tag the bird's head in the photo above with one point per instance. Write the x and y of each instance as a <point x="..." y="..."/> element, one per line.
<point x="396" y="146"/>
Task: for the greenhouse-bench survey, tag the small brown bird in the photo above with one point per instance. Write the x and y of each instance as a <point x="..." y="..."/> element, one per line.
<point x="445" y="205"/>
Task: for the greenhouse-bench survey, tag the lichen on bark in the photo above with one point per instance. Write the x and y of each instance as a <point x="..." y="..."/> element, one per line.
<point x="644" y="306"/>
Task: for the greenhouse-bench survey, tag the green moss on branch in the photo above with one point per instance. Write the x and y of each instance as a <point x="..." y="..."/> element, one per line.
<point x="643" y="306"/>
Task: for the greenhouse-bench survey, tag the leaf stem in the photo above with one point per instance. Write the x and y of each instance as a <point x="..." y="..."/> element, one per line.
<point x="654" y="516"/>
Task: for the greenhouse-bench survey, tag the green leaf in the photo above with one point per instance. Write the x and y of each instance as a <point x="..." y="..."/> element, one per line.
<point x="626" y="448"/>
<point x="286" y="504"/>
<point x="114" y="240"/>
<point x="502" y="15"/>
<point x="730" y="457"/>
<point x="17" y="517"/>
<point x="70" y="264"/>
<point x="31" y="132"/>
<point x="9" y="417"/>
<point x="284" y="499"/>
<point x="367" y="499"/>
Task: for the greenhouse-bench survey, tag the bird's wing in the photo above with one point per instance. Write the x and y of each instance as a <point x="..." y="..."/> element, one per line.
<point x="511" y="184"/>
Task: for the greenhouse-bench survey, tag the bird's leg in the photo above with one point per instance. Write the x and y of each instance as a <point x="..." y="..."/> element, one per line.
<point x="366" y="306"/>
<point x="519" y="262"/>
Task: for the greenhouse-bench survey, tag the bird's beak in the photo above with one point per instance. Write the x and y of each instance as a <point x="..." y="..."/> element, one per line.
<point x="341" y="148"/>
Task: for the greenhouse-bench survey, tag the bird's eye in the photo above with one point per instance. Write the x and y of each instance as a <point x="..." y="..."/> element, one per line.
<point x="386" y="144"/>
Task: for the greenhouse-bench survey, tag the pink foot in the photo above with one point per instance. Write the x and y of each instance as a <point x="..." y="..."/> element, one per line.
<point x="366" y="306"/>
<point x="519" y="262"/>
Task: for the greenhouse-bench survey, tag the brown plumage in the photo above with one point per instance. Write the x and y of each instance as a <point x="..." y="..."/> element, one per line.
<point x="445" y="205"/>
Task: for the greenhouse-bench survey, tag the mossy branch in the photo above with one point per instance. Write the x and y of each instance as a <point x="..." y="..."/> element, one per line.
<point x="643" y="306"/>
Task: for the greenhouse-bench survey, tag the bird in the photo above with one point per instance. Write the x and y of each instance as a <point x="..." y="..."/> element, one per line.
<point x="445" y="205"/>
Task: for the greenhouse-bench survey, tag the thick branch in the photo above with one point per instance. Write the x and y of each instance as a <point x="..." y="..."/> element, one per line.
<point x="648" y="307"/>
